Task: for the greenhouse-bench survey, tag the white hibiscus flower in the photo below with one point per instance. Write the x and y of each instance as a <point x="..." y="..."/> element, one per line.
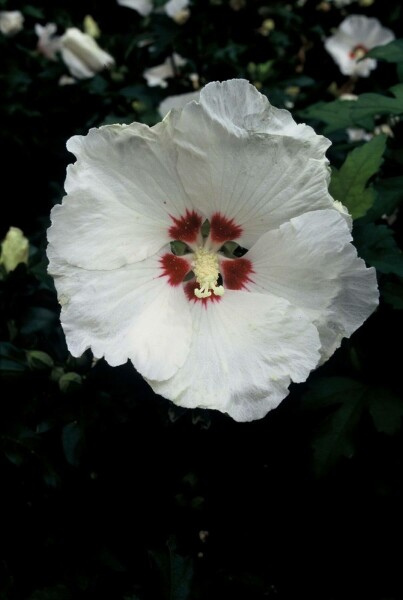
<point x="208" y="329"/>
<point x="356" y="35"/>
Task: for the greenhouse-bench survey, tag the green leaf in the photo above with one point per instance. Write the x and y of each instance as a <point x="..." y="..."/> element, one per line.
<point x="369" y="105"/>
<point x="334" y="437"/>
<point x="72" y="443"/>
<point x="12" y="359"/>
<point x="340" y="114"/>
<point x="377" y="246"/>
<point x="392" y="52"/>
<point x="349" y="184"/>
<point x="33" y="11"/>
<point x="336" y="115"/>
<point x="386" y="410"/>
<point x="348" y="399"/>
<point x="175" y="573"/>
<point x="389" y="196"/>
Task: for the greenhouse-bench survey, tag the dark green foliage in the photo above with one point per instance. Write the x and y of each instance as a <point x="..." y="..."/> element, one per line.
<point x="392" y="52"/>
<point x="349" y="184"/>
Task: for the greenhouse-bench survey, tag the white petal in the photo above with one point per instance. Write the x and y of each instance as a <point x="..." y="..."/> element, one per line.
<point x="364" y="67"/>
<point x="311" y="263"/>
<point x="177" y="101"/>
<point x="235" y="158"/>
<point x="365" y="30"/>
<point x="245" y="350"/>
<point x="339" y="47"/>
<point x="75" y="65"/>
<point x="129" y="313"/>
<point x="121" y="193"/>
<point x="173" y="7"/>
<point x="241" y="109"/>
<point x="82" y="55"/>
<point x="300" y="260"/>
<point x="144" y="7"/>
<point x="155" y="76"/>
<point x="356" y="301"/>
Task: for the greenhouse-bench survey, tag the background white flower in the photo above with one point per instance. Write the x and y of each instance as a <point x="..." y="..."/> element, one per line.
<point x="177" y="101"/>
<point x="82" y="55"/>
<point x="143" y="7"/>
<point x="176" y="9"/>
<point x="355" y="36"/>
<point x="156" y="76"/>
<point x="357" y="134"/>
<point x="48" y="42"/>
<point x="207" y="328"/>
<point x="11" y="22"/>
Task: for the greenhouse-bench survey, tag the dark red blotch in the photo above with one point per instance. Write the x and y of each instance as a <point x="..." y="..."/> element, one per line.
<point x="236" y="273"/>
<point x="186" y="228"/>
<point x="175" y="268"/>
<point x="223" y="229"/>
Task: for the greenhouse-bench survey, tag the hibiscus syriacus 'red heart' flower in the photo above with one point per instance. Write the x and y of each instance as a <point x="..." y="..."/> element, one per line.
<point x="208" y="328"/>
<point x="356" y="35"/>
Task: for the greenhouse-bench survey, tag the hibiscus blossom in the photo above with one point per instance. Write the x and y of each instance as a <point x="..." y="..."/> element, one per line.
<point x="207" y="250"/>
<point x="356" y="35"/>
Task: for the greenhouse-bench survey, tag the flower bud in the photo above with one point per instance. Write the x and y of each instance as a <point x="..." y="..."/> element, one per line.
<point x="91" y="27"/>
<point x="82" y="55"/>
<point x="39" y="361"/>
<point x="70" y="382"/>
<point x="14" y="249"/>
<point x="11" y="22"/>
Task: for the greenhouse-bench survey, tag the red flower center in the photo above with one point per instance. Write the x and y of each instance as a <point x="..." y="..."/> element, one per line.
<point x="235" y="272"/>
<point x="359" y="51"/>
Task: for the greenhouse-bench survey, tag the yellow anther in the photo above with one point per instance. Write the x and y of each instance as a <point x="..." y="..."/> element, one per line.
<point x="205" y="267"/>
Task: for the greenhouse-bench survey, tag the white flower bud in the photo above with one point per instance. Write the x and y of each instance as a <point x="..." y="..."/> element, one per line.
<point x="14" y="249"/>
<point x="82" y="55"/>
<point x="11" y="22"/>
